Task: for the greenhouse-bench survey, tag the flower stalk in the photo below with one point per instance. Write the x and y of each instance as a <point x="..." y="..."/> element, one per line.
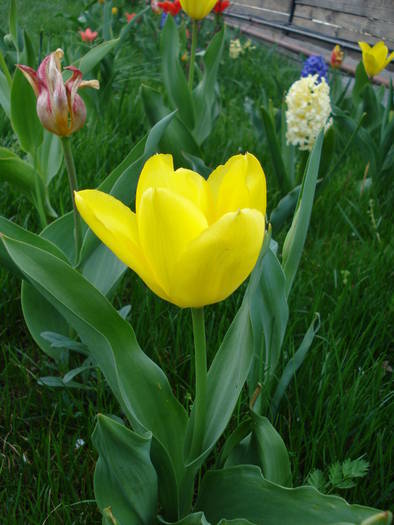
<point x="72" y="179"/>
<point x="200" y="360"/>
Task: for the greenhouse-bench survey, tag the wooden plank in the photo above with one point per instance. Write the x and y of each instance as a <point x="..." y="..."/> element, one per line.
<point x="266" y="14"/>
<point x="275" y="5"/>
<point x="337" y="32"/>
<point x="379" y="10"/>
<point x="381" y="29"/>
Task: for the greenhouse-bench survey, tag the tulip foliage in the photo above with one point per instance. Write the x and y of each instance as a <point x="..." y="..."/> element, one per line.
<point x="147" y="467"/>
<point x="197" y="108"/>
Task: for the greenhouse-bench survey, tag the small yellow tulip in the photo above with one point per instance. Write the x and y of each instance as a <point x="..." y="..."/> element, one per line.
<point x="375" y="58"/>
<point x="192" y="241"/>
<point x="115" y="10"/>
<point x="198" y="9"/>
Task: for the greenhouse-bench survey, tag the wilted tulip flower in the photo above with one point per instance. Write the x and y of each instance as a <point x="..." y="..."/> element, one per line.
<point x="59" y="107"/>
<point x="130" y="16"/>
<point x="88" y="35"/>
<point x="337" y="56"/>
<point x="192" y="241"/>
<point x="198" y="9"/>
<point x="375" y="58"/>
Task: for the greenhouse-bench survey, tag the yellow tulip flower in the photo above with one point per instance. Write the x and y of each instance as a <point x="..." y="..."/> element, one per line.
<point x="375" y="58"/>
<point x="192" y="241"/>
<point x="198" y="9"/>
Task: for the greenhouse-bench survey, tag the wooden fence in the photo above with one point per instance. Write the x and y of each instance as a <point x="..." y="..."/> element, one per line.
<point x="344" y="20"/>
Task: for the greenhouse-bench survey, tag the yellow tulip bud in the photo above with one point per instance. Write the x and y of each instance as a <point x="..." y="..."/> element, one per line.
<point x="375" y="58"/>
<point x="192" y="241"/>
<point x="198" y="9"/>
<point x="115" y="10"/>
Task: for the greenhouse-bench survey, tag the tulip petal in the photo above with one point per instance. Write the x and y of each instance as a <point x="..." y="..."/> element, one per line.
<point x="198" y="9"/>
<point x="167" y="223"/>
<point x="155" y="172"/>
<point x="240" y="183"/>
<point x="158" y="172"/>
<point x="116" y="226"/>
<point x="215" y="264"/>
<point x="389" y="59"/>
<point x="365" y="48"/>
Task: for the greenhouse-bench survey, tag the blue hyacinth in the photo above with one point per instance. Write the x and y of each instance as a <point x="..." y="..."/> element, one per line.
<point x="315" y="65"/>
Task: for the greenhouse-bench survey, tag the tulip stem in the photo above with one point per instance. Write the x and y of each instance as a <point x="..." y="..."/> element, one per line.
<point x="193" y="53"/>
<point x="200" y="359"/>
<point x="72" y="179"/>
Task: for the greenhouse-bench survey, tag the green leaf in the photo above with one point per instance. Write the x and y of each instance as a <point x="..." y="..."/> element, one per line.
<point x="19" y="174"/>
<point x="361" y="80"/>
<point x="264" y="448"/>
<point x="5" y="95"/>
<point x="271" y="451"/>
<point x="49" y="156"/>
<point x="196" y="518"/>
<point x="284" y="209"/>
<point x="173" y="77"/>
<point x="139" y="384"/>
<point x="270" y="315"/>
<point x="294" y="363"/>
<point x="24" y="115"/>
<point x="41" y="317"/>
<point x="28" y="57"/>
<point x="95" y="55"/>
<point x="13" y="23"/>
<point x="10" y="229"/>
<point x="274" y="147"/>
<point x="176" y="138"/>
<point x="317" y="479"/>
<point x="296" y="236"/>
<point x="242" y="492"/>
<point x="204" y="96"/>
<point x="125" y="479"/>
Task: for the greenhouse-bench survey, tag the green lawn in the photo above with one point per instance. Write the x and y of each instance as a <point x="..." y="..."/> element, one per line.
<point x="339" y="406"/>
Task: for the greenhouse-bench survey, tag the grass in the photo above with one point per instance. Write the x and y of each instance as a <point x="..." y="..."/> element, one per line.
<point x="339" y="405"/>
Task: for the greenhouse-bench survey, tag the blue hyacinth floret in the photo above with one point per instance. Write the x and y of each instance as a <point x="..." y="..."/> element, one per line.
<point x="315" y="65"/>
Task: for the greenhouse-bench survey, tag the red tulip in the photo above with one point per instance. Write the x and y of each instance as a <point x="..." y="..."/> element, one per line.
<point x="221" y="5"/>
<point x="130" y="16"/>
<point x="337" y="57"/>
<point x="88" y="35"/>
<point x="172" y="8"/>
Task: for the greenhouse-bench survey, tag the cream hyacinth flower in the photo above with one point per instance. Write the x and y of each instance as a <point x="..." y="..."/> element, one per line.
<point x="308" y="111"/>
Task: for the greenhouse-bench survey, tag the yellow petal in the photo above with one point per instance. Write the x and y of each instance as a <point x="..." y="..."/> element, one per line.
<point x="167" y="222"/>
<point x="198" y="9"/>
<point x="240" y="183"/>
<point x="364" y="47"/>
<point x="158" y="172"/>
<point x="116" y="226"/>
<point x="370" y="64"/>
<point x="389" y="59"/>
<point x="215" y="264"/>
<point x="380" y="53"/>
<point x="155" y="173"/>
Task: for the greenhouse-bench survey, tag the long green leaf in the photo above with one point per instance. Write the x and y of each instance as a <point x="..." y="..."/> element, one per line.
<point x="242" y="492"/>
<point x="277" y="161"/>
<point x="139" y="384"/>
<point x="296" y="236"/>
<point x="205" y="97"/>
<point x="95" y="55"/>
<point x="294" y="363"/>
<point x="24" y="115"/>
<point x="125" y="479"/>
<point x="270" y="314"/>
<point x="5" y="95"/>
<point x="173" y="76"/>
<point x="19" y="173"/>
